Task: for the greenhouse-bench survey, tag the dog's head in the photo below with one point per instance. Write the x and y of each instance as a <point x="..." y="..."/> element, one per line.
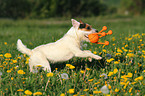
<point x="83" y="29"/>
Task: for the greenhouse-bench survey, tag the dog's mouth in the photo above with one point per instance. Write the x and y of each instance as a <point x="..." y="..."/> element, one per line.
<point x="86" y="36"/>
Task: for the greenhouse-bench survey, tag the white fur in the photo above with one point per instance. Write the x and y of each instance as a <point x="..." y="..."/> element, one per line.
<point x="62" y="50"/>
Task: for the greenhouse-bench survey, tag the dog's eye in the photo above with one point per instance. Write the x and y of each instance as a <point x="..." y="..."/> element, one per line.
<point x="88" y="27"/>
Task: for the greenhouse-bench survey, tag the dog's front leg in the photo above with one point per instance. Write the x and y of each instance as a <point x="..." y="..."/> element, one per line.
<point x="86" y="53"/>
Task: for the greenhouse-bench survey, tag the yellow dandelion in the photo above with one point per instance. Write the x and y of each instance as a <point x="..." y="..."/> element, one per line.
<point x="86" y="90"/>
<point x="62" y="94"/>
<point x="71" y="67"/>
<point x="12" y="78"/>
<point x="27" y="92"/>
<point x="119" y="50"/>
<point x="115" y="70"/>
<point x="88" y="69"/>
<point x="96" y="92"/>
<point x="130" y="55"/>
<point x="130" y="90"/>
<point x="116" y="90"/>
<point x="110" y="73"/>
<point x="109" y="60"/>
<point x="90" y="80"/>
<point x="82" y="71"/>
<point x="37" y="93"/>
<point x="21" y="72"/>
<point x="116" y="62"/>
<point x="68" y="65"/>
<point x="14" y="61"/>
<point x="104" y="50"/>
<point x="71" y="91"/>
<point x="8" y="55"/>
<point x="1" y="55"/>
<point x="95" y="52"/>
<point x="20" y="90"/>
<point x="8" y="71"/>
<point x="49" y="74"/>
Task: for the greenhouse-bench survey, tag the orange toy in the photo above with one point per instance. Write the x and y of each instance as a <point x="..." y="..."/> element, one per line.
<point x="94" y="37"/>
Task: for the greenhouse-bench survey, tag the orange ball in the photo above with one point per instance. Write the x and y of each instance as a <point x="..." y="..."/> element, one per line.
<point x="93" y="37"/>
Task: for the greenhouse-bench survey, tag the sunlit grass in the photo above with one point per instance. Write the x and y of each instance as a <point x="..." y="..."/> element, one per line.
<point x="121" y="72"/>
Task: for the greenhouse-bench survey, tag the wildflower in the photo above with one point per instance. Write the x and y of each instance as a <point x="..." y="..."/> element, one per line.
<point x="20" y="90"/>
<point x="130" y="90"/>
<point x="88" y="69"/>
<point x="27" y="92"/>
<point x="86" y="90"/>
<point x="71" y="67"/>
<point x="119" y="50"/>
<point x="49" y="74"/>
<point x="71" y="91"/>
<point x="129" y="75"/>
<point x="1" y="55"/>
<point x="116" y="90"/>
<point x="1" y="73"/>
<point x="104" y="50"/>
<point x="68" y="65"/>
<point x="97" y="83"/>
<point x="64" y="76"/>
<point x="37" y="93"/>
<point x="115" y="70"/>
<point x="116" y="62"/>
<point x="14" y="61"/>
<point x="110" y="74"/>
<point x="103" y="75"/>
<point x="90" y="80"/>
<point x="96" y="92"/>
<point x="82" y="71"/>
<point x="5" y="43"/>
<point x="8" y="55"/>
<point x="12" y="78"/>
<point x="130" y="55"/>
<point x="62" y="94"/>
<point x="8" y="71"/>
<point x="104" y="89"/>
<point x="109" y="86"/>
<point x="21" y="72"/>
<point x="113" y="39"/>
<point x="95" y="52"/>
<point x="109" y="60"/>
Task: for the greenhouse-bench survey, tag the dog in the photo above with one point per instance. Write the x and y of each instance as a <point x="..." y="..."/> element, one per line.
<point x="63" y="49"/>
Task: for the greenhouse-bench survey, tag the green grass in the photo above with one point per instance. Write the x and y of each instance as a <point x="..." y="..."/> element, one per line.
<point x="128" y="36"/>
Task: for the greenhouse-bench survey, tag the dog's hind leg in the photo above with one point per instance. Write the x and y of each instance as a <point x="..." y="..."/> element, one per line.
<point x="39" y="59"/>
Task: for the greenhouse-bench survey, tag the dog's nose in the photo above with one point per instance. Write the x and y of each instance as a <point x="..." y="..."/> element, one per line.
<point x="96" y="31"/>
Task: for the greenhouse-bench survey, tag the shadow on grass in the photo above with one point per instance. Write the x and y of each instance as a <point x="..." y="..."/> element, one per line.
<point x="80" y="63"/>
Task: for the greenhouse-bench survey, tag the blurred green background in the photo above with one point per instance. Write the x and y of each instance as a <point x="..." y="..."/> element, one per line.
<point x="41" y="9"/>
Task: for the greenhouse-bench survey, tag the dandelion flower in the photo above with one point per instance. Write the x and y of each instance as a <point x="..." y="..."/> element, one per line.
<point x="71" y="67"/>
<point x="110" y="74"/>
<point x="62" y="94"/>
<point x="105" y="89"/>
<point x="64" y="76"/>
<point x="96" y="92"/>
<point x="20" y="90"/>
<point x="27" y="92"/>
<point x="116" y="62"/>
<point x="37" y="93"/>
<point x="71" y="91"/>
<point x="82" y="71"/>
<point x="86" y="90"/>
<point x="116" y="90"/>
<point x="104" y="75"/>
<point x="21" y="72"/>
<point x="115" y="70"/>
<point x="49" y="74"/>
<point x="8" y="71"/>
<point x="8" y="55"/>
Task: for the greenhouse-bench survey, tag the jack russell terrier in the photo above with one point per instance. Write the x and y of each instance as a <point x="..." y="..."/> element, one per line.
<point x="63" y="49"/>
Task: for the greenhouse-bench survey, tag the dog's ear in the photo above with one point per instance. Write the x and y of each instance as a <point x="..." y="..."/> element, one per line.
<point x="75" y="23"/>
<point x="81" y="21"/>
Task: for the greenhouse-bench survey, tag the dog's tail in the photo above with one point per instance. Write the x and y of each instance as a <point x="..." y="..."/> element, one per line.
<point x="22" y="48"/>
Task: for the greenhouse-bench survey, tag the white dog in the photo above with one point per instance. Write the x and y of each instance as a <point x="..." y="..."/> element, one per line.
<point x="62" y="50"/>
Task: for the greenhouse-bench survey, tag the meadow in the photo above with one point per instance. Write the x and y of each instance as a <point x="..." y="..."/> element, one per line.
<point x="121" y="72"/>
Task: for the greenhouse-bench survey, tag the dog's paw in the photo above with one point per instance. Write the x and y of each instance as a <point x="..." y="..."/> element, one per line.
<point x="98" y="58"/>
<point x="90" y="59"/>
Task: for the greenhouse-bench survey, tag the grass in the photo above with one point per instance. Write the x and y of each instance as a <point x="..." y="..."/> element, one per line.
<point x="125" y="68"/>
